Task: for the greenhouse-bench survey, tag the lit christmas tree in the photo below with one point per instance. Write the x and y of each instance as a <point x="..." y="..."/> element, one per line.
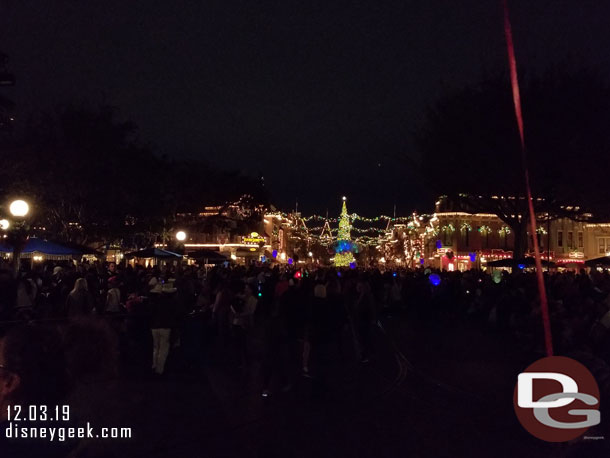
<point x="343" y="251"/>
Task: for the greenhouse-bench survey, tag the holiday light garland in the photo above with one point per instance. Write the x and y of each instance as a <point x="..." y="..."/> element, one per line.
<point x="504" y="231"/>
<point x="485" y="230"/>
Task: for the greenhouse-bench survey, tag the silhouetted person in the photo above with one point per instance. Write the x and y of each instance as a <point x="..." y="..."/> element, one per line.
<point x="162" y="321"/>
<point x="80" y="301"/>
<point x="32" y="373"/>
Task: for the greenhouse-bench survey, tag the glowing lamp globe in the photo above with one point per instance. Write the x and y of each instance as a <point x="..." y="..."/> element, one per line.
<point x="4" y="224"/>
<point x="181" y="236"/>
<point x="19" y="208"/>
<point x="435" y="279"/>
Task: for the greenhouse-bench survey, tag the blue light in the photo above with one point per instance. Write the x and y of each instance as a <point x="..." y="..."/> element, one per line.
<point x="274" y="253"/>
<point x="435" y="279"/>
<point x="263" y="258"/>
<point x="421" y="261"/>
<point x="394" y="274"/>
<point x="343" y="246"/>
<point x="290" y="261"/>
<point x="439" y="245"/>
<point x="521" y="266"/>
<point x="473" y="257"/>
<point x="352" y="265"/>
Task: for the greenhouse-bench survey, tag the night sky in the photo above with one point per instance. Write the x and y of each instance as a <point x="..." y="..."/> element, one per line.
<point x="319" y="96"/>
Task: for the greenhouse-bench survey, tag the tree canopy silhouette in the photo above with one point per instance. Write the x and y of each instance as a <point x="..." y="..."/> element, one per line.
<point x="470" y="151"/>
<point x="90" y="179"/>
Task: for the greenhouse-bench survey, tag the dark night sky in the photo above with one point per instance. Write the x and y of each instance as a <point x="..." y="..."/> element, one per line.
<point x="320" y="96"/>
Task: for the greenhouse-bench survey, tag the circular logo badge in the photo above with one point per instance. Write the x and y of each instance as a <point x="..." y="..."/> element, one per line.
<point x="556" y="399"/>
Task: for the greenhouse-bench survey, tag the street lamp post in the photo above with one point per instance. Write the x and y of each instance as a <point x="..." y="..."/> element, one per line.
<point x="17" y="230"/>
<point x="181" y="238"/>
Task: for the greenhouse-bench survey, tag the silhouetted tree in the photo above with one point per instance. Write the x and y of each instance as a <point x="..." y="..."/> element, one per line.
<point x="469" y="146"/>
<point x="91" y="180"/>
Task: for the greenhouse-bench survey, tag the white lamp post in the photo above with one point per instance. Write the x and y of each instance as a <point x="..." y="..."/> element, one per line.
<point x="19" y="233"/>
<point x="181" y="236"/>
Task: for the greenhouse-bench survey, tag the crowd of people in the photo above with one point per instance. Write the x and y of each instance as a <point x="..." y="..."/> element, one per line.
<point x="290" y="319"/>
<point x="289" y="323"/>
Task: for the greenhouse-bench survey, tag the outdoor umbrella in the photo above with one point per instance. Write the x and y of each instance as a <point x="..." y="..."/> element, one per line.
<point x="82" y="249"/>
<point x="602" y="261"/>
<point x="43" y="247"/>
<point x="508" y="262"/>
<point x="156" y="253"/>
<point x="208" y="256"/>
<point x="528" y="262"/>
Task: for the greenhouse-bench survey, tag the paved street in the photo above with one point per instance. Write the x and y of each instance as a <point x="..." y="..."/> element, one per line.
<point x="420" y="396"/>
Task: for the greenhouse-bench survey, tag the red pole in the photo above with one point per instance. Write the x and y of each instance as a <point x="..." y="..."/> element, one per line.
<point x="512" y="62"/>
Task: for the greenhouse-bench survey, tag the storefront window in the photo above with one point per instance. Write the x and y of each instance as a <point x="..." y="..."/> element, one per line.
<point x="465" y="237"/>
<point x="603" y="244"/>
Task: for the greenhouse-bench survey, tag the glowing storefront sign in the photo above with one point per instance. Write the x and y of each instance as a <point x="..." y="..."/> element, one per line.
<point x="253" y="239"/>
